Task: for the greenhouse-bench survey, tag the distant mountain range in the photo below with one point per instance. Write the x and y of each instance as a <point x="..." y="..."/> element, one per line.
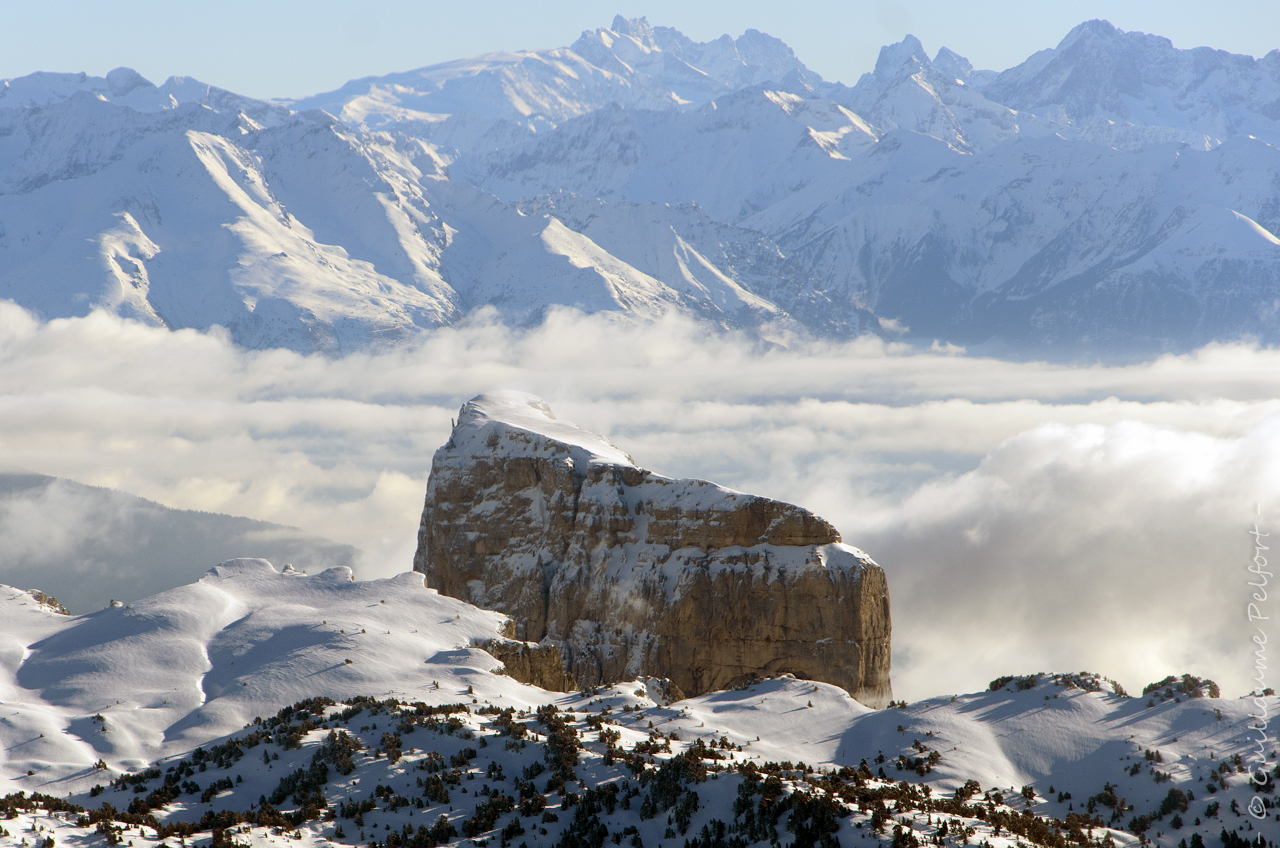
<point x="1113" y="196"/>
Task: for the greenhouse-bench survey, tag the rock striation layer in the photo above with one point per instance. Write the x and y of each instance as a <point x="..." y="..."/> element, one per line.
<point x="627" y="572"/>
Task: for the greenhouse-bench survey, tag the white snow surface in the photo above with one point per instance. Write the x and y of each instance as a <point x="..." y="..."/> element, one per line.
<point x="172" y="671"/>
<point x="1062" y="205"/>
<point x="189" y="667"/>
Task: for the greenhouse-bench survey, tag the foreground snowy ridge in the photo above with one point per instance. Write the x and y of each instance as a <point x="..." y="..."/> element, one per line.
<point x="275" y="703"/>
<point x="1113" y="195"/>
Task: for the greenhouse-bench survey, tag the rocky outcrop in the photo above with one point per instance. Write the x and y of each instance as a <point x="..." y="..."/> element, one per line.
<point x="630" y="573"/>
<point x="529" y="662"/>
<point x="48" y="601"/>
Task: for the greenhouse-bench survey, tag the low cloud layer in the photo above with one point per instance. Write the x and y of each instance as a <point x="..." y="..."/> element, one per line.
<point x="1119" y="548"/>
<point x="1030" y="516"/>
<point x="87" y="545"/>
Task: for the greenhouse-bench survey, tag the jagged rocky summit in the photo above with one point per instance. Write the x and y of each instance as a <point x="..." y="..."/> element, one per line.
<point x="626" y="572"/>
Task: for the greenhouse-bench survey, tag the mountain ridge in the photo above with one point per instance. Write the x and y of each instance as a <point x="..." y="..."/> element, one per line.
<point x="628" y="573"/>
<point x="908" y="205"/>
<point x="89" y="545"/>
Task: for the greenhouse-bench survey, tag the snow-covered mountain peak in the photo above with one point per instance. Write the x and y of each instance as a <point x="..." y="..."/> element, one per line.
<point x="694" y="71"/>
<point x="637" y="28"/>
<point x="906" y="91"/>
<point x="892" y="58"/>
<point x="631" y="63"/>
<point x="126" y="87"/>
<point x="953" y="65"/>
<point x="1136" y="77"/>
<point x="511" y="407"/>
<point x="766" y="51"/>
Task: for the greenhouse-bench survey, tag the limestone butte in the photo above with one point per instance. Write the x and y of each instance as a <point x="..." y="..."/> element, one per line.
<point x="627" y="572"/>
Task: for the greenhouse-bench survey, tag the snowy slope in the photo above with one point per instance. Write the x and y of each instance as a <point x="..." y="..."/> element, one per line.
<point x="1075" y="245"/>
<point x="630" y="63"/>
<point x="198" y="665"/>
<point x="172" y="221"/>
<point x="736" y="155"/>
<point x="1133" y="77"/>
<point x="720" y="270"/>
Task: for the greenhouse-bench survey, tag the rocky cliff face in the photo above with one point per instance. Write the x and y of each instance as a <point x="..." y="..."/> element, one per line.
<point x="538" y="664"/>
<point x="629" y="572"/>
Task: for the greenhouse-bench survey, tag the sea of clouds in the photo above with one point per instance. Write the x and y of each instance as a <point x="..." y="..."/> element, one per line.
<point x="1030" y="516"/>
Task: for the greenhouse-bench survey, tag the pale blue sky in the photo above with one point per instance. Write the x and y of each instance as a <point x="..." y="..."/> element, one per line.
<point x="283" y="48"/>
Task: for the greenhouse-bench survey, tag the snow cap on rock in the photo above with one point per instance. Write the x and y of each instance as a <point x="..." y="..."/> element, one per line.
<point x="524" y="411"/>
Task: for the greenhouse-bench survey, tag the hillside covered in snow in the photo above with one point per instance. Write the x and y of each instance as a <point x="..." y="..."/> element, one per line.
<point x="269" y="707"/>
<point x="1113" y="195"/>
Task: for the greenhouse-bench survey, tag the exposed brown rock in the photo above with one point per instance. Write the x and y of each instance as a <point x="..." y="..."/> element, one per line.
<point x="529" y="662"/>
<point x="49" y="601"/>
<point x="625" y="572"/>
